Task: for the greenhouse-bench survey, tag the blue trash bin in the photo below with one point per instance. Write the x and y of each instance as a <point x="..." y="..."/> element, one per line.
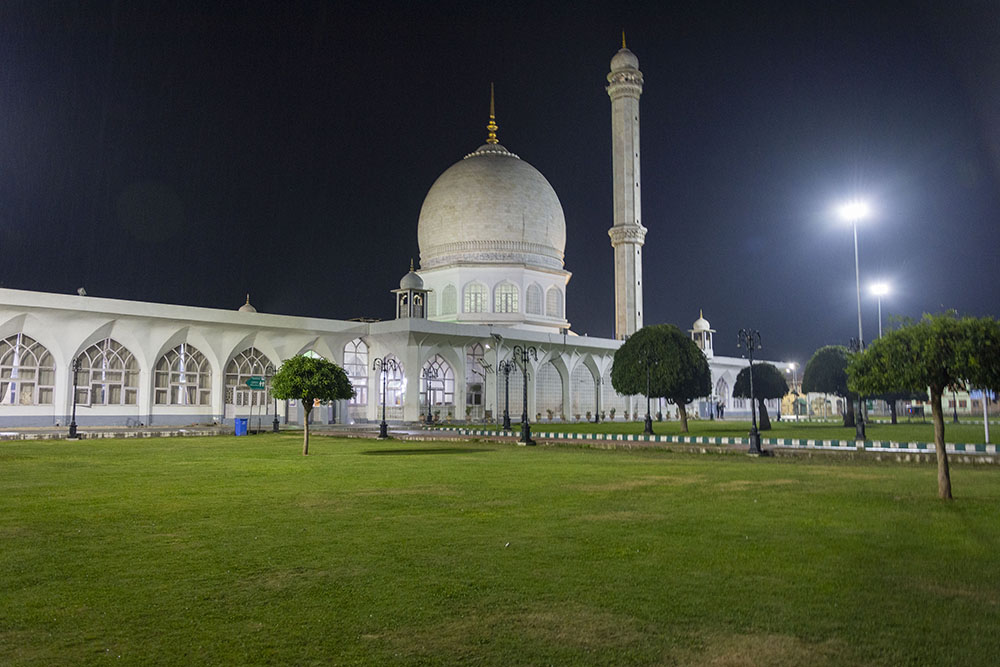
<point x="241" y="426"/>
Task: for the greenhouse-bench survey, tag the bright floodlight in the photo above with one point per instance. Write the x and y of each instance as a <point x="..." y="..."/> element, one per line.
<point x="853" y="211"/>
<point x="880" y="289"/>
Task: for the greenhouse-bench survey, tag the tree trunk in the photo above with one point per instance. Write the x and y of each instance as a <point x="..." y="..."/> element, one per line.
<point x="849" y="421"/>
<point x="683" y="414"/>
<point x="764" y="422"/>
<point x="944" y="475"/>
<point x="306" y="410"/>
<point x="892" y="410"/>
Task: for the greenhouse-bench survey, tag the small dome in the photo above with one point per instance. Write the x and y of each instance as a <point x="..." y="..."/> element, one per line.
<point x="246" y="307"/>
<point x="411" y="281"/>
<point x="624" y="59"/>
<point x="701" y="324"/>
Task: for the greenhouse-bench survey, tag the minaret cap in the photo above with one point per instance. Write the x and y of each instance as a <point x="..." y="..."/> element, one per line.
<point x="246" y="307"/>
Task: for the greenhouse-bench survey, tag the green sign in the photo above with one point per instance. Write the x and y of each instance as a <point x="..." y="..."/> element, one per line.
<point x="255" y="382"/>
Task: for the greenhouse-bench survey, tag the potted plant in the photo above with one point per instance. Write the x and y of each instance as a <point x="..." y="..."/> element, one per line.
<point x="590" y="416"/>
<point x="612" y="413"/>
<point x="549" y="413"/>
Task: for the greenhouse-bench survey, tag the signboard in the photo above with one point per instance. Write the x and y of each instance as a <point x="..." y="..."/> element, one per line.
<point x="255" y="382"/>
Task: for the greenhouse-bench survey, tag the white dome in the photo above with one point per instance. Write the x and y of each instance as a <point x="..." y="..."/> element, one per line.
<point x="411" y="281"/>
<point x="491" y="208"/>
<point x="701" y="324"/>
<point x="624" y="59"/>
<point x="246" y="307"/>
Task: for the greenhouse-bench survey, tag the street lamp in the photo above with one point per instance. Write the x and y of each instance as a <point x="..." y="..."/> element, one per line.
<point x="855" y="347"/>
<point x="650" y="361"/>
<point x="498" y="340"/>
<point x="505" y="367"/>
<point x="880" y="290"/>
<point x="750" y="339"/>
<point x="269" y="375"/>
<point x="523" y="353"/>
<point x="790" y="368"/>
<point x="852" y="212"/>
<point x="72" y="422"/>
<point x="384" y="365"/>
<point x="428" y="374"/>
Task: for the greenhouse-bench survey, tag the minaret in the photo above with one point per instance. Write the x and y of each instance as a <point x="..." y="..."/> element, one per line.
<point x="627" y="234"/>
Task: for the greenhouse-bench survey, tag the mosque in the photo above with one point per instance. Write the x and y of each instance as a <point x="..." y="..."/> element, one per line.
<point x="491" y="277"/>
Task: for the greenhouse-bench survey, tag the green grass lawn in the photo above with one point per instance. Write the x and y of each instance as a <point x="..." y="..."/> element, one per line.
<point x="231" y="550"/>
<point x="903" y="431"/>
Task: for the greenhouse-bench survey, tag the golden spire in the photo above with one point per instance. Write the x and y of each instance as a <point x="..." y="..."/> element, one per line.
<point x="248" y="300"/>
<point x="492" y="126"/>
<point x="411" y="264"/>
<point x="701" y="314"/>
<point x="623" y="39"/>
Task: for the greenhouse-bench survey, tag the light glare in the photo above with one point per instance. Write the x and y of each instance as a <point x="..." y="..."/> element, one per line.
<point x="880" y="289"/>
<point x="855" y="210"/>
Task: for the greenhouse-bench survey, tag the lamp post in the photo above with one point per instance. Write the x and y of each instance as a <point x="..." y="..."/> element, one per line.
<point x="384" y="365"/>
<point x="505" y="367"/>
<point x="853" y="212"/>
<point x="855" y="347"/>
<point x="428" y="374"/>
<point x="498" y="340"/>
<point x="954" y="407"/>
<point x="750" y="338"/>
<point x="790" y="368"/>
<point x="487" y="370"/>
<point x="269" y="375"/>
<point x="597" y="410"/>
<point x="522" y="353"/>
<point x="650" y="361"/>
<point x="880" y="290"/>
<point x="72" y="422"/>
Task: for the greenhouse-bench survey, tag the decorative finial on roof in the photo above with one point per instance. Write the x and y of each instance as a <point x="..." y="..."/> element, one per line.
<point x="411" y="264"/>
<point x="701" y="313"/>
<point x="492" y="126"/>
<point x="623" y="39"/>
<point x="248" y="298"/>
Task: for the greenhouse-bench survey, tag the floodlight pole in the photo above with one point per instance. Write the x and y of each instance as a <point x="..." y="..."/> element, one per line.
<point x="856" y="346"/>
<point x="750" y="338"/>
<point x="523" y="353"/>
<point x="383" y="365"/>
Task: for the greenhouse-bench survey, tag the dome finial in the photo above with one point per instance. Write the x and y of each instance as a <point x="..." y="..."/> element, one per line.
<point x="492" y="126"/>
<point x="248" y="298"/>
<point x="623" y="39"/>
<point x="411" y="264"/>
<point x="701" y="313"/>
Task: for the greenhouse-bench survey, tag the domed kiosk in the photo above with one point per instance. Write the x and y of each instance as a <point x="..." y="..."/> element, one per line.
<point x="492" y="236"/>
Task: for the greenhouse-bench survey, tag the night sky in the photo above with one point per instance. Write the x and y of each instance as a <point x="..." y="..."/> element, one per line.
<point x="191" y="152"/>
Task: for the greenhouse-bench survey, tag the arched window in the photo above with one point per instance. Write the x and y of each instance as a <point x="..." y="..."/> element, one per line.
<point x="404" y="309"/>
<point x="241" y="367"/>
<point x="549" y="391"/>
<point x="449" y="300"/>
<point x="583" y="391"/>
<point x="394" y="385"/>
<point x="475" y="298"/>
<point x="533" y="300"/>
<point x="554" y="302"/>
<point x="182" y="377"/>
<point x="109" y="375"/>
<point x="505" y="298"/>
<point x="418" y="305"/>
<point x="475" y="379"/>
<point x="27" y="372"/>
<point x="356" y="367"/>
<point x="722" y="391"/>
<point x="431" y="304"/>
<point x="437" y="380"/>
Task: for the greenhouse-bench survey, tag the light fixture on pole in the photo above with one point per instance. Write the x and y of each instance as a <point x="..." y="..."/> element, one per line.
<point x="852" y="212"/>
<point x="880" y="290"/>
<point x="522" y="353"/>
<point x="72" y="423"/>
<point x="268" y="376"/>
<point x="384" y="365"/>
<point x="428" y="374"/>
<point x="750" y="339"/>
<point x="505" y="366"/>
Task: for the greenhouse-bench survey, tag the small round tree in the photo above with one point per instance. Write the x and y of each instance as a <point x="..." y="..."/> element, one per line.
<point x="826" y="373"/>
<point x="310" y="379"/>
<point x="678" y="370"/>
<point x="768" y="383"/>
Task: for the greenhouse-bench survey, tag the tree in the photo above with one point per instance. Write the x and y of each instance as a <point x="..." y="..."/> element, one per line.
<point x="309" y="379"/>
<point x="768" y="383"/>
<point x="678" y="370"/>
<point x="826" y="373"/>
<point x="939" y="352"/>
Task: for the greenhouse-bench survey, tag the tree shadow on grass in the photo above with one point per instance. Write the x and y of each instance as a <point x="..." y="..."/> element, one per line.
<point x="417" y="452"/>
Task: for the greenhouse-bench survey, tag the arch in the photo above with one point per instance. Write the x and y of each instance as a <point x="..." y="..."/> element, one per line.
<point x="109" y="375"/>
<point x="27" y="372"/>
<point x="583" y="390"/>
<point x="533" y="300"/>
<point x="475" y="298"/>
<point x="449" y="300"/>
<point x="549" y="391"/>
<point x="554" y="302"/>
<point x="356" y="367"/>
<point x="505" y="298"/>
<point x="475" y="380"/>
<point x="182" y="376"/>
<point x="722" y="391"/>
<point x="611" y="399"/>
<point x="241" y="367"/>
<point x="437" y="382"/>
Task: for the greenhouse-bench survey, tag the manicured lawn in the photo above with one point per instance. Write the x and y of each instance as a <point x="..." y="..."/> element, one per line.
<point x="902" y="432"/>
<point x="241" y="551"/>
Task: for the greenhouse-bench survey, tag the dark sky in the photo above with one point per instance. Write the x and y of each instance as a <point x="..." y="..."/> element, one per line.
<point x="190" y="152"/>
